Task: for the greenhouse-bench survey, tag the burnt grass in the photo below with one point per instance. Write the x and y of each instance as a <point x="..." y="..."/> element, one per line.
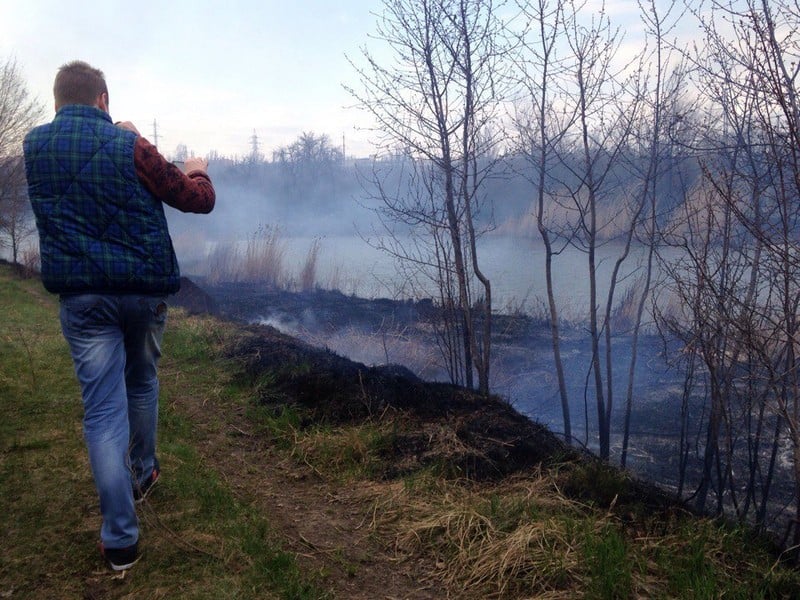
<point x="489" y="438"/>
<point x="459" y="432"/>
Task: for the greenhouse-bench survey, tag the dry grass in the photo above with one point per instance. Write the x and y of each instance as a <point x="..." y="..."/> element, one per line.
<point x="524" y="538"/>
<point x="260" y="261"/>
<point x="308" y="274"/>
<point x="514" y="539"/>
<point x="222" y="264"/>
<point x="263" y="257"/>
<point x="346" y="452"/>
<point x="623" y="315"/>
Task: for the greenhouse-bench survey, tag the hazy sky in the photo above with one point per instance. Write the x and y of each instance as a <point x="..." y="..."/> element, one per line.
<point x="212" y="73"/>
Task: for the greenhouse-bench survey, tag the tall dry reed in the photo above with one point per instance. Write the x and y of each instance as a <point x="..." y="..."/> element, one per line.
<point x="308" y="274"/>
<point x="260" y="261"/>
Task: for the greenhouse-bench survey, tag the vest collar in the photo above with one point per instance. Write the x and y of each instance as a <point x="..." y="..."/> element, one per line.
<point x="82" y="110"/>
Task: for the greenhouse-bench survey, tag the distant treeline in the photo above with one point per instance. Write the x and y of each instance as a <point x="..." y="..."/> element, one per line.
<point x="325" y="193"/>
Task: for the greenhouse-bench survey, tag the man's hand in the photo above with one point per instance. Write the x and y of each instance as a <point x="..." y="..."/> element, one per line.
<point x="127" y="125"/>
<point x="195" y="163"/>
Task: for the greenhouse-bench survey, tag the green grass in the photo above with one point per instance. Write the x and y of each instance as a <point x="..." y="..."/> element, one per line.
<point x="608" y="564"/>
<point x="198" y="539"/>
<point x="345" y="454"/>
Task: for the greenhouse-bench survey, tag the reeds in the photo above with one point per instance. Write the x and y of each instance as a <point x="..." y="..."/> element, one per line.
<point x="263" y="257"/>
<point x="260" y="261"/>
<point x="308" y="274"/>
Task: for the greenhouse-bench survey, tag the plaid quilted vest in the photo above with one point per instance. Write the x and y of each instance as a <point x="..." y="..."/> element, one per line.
<point x="100" y="229"/>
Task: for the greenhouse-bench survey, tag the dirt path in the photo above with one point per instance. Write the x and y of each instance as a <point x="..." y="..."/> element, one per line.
<point x="325" y="524"/>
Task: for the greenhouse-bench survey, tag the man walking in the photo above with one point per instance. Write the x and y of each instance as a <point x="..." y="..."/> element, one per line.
<point x="97" y="190"/>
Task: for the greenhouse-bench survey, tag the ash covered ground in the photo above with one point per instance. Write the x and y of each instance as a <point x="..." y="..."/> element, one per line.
<point x="396" y="341"/>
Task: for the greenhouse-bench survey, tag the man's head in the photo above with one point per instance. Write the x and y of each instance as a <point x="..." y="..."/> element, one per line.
<point x="80" y="83"/>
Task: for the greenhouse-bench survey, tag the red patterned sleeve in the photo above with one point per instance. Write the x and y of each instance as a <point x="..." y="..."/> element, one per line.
<point x="191" y="192"/>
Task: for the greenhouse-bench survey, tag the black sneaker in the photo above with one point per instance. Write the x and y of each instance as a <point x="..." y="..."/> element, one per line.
<point x="140" y="492"/>
<point x="120" y="559"/>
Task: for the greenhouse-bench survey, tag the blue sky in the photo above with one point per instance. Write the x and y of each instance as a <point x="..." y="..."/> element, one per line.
<point x="209" y="73"/>
<point x="212" y="73"/>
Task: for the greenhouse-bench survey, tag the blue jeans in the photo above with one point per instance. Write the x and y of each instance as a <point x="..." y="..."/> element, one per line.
<point x="115" y="342"/>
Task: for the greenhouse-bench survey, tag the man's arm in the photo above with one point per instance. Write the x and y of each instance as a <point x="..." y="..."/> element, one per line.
<point x="190" y="192"/>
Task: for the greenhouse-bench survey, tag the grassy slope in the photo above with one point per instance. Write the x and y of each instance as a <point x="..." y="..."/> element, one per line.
<point x="525" y="537"/>
<point x="200" y="542"/>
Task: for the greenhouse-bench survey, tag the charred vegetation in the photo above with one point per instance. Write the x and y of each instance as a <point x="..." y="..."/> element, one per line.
<point x="459" y="433"/>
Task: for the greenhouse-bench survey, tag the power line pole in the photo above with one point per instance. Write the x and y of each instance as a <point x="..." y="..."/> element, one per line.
<point x="254" y="146"/>
<point x="155" y="133"/>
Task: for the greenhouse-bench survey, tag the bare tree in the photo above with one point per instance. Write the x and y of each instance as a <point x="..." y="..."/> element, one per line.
<point x="661" y="85"/>
<point x="582" y="124"/>
<point x="602" y="105"/>
<point x="768" y="62"/>
<point x="437" y="104"/>
<point x="606" y="107"/>
<point x="706" y="281"/>
<point x="310" y="151"/>
<point x="16" y="217"/>
<point x="18" y="113"/>
<point x="739" y="277"/>
<point x="541" y="128"/>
